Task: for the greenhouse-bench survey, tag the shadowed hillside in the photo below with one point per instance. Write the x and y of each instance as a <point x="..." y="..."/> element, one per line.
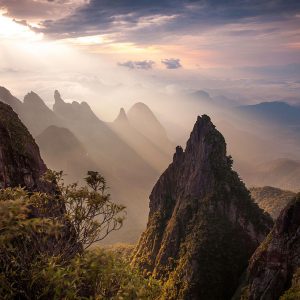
<point x="63" y="151"/>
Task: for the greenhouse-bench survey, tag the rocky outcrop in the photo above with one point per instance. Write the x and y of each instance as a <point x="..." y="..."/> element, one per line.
<point x="275" y="266"/>
<point x="75" y="110"/>
<point x="203" y="226"/>
<point x="271" y="199"/>
<point x="20" y="160"/>
<point x="121" y="118"/>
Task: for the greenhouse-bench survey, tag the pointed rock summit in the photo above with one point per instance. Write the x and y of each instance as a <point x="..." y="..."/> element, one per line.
<point x="122" y="117"/>
<point x="203" y="226"/>
<point x="74" y="111"/>
<point x="57" y="97"/>
<point x="34" y="99"/>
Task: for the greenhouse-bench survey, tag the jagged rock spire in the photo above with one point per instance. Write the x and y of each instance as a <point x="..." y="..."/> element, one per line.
<point x="203" y="226"/>
<point x="57" y="97"/>
<point x="122" y="117"/>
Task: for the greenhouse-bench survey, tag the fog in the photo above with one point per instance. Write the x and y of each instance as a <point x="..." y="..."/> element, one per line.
<point x="83" y="128"/>
<point x="134" y="148"/>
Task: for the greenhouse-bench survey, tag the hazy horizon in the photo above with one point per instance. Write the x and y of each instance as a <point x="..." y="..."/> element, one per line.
<point x="112" y="55"/>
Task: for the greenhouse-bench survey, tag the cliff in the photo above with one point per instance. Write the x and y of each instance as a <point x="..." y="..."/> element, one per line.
<point x="20" y="160"/>
<point x="203" y="225"/>
<point x="275" y="267"/>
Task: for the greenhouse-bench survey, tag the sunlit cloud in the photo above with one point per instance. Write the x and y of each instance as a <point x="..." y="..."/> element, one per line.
<point x="11" y="30"/>
<point x="86" y="46"/>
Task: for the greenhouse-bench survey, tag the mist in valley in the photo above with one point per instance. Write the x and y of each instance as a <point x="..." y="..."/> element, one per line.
<point x="134" y="148"/>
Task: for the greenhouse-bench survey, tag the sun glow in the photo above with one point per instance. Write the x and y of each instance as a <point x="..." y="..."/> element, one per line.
<point x="11" y="30"/>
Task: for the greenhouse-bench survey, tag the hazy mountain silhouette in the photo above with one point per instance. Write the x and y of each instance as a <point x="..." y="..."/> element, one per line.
<point x="281" y="173"/>
<point x="63" y="151"/>
<point x="74" y="139"/>
<point x="144" y="121"/>
<point x="277" y="112"/>
<point x="145" y="147"/>
<point x="8" y="98"/>
<point x="34" y="113"/>
<point x="133" y="150"/>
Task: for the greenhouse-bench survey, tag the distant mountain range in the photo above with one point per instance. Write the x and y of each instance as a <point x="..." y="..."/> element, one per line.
<point x="280" y="113"/>
<point x="133" y="150"/>
<point x="130" y="152"/>
<point x="205" y="237"/>
<point x="280" y="173"/>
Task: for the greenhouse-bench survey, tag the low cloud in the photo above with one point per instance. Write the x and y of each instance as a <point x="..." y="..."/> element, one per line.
<point x="142" y="64"/>
<point x="172" y="63"/>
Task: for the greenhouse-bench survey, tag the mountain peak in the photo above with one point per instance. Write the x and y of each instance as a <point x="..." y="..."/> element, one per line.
<point x="122" y="117"/>
<point x="4" y="92"/>
<point x="57" y="97"/>
<point x="33" y="98"/>
<point x="8" y="98"/>
<point x="202" y="220"/>
<point x="142" y="109"/>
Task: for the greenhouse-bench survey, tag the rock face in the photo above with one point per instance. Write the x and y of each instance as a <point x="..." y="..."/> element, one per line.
<point x="20" y="160"/>
<point x="271" y="199"/>
<point x="203" y="226"/>
<point x="275" y="266"/>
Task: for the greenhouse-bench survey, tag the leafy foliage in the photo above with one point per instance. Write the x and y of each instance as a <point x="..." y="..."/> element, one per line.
<point x="43" y="242"/>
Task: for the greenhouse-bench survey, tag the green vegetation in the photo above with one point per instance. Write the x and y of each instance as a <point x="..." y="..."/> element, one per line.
<point x="45" y="241"/>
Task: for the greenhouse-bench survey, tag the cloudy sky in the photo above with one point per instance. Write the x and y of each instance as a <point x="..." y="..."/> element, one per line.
<point x="245" y="49"/>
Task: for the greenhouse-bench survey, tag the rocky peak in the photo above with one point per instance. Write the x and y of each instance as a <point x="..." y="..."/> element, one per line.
<point x="35" y="102"/>
<point x="122" y="117"/>
<point x="57" y="97"/>
<point x="73" y="111"/>
<point x="203" y="226"/>
<point x="8" y="98"/>
<point x="20" y="160"/>
<point x="274" y="268"/>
